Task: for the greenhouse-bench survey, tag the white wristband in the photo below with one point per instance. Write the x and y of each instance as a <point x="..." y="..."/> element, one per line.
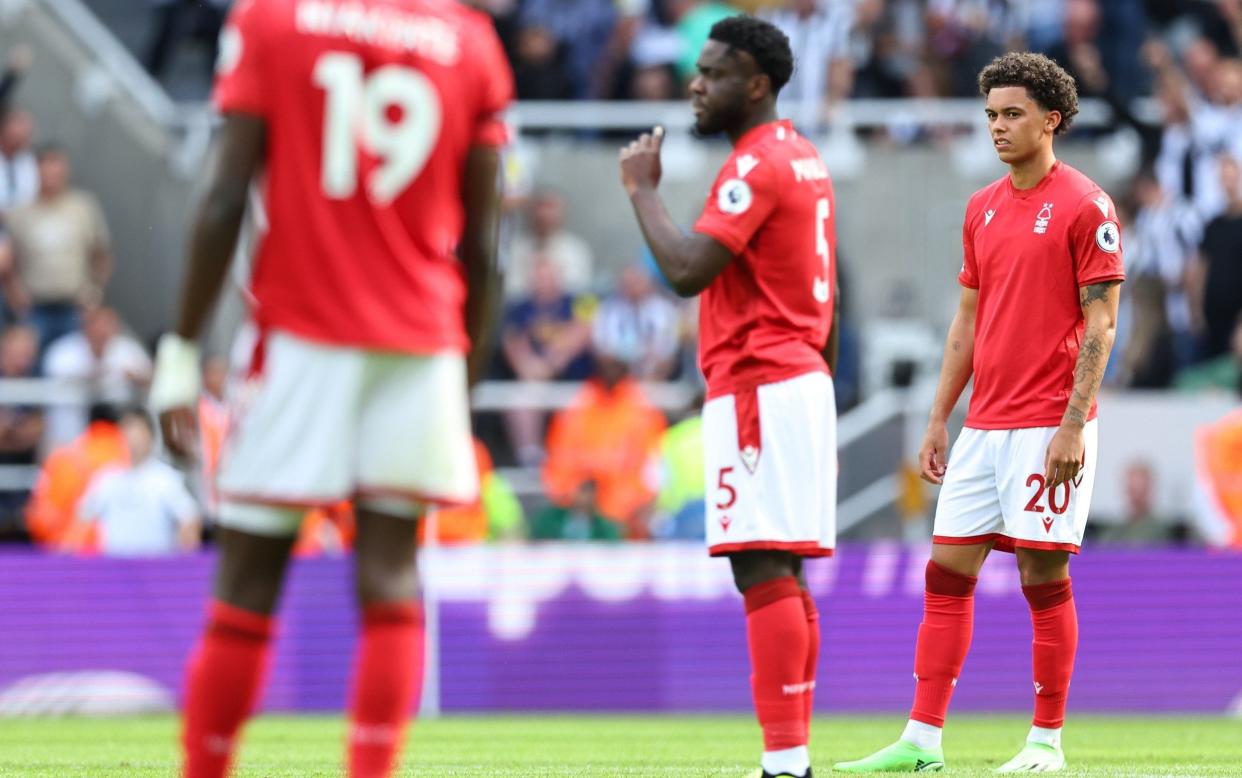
<point x="177" y="380"/>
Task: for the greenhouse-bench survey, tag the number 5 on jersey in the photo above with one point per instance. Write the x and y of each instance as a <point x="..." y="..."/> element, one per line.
<point x="393" y="114"/>
<point x="823" y="286"/>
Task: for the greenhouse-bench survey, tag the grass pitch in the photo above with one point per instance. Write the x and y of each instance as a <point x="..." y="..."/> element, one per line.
<point x="521" y="746"/>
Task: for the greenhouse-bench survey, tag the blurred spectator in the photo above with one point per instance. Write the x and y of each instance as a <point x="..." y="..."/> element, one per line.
<point x="539" y="68"/>
<point x="607" y="435"/>
<point x="654" y="81"/>
<point x="1218" y="482"/>
<point x="1077" y="51"/>
<point x="681" y="512"/>
<point x="580" y="519"/>
<point x="583" y="27"/>
<point x="1141" y="525"/>
<point x="113" y="365"/>
<point x="19" y="170"/>
<point x="1217" y="276"/>
<point x="60" y="245"/>
<point x="1162" y="243"/>
<point x="18" y="63"/>
<point x="141" y="508"/>
<point x="213" y="428"/>
<point x="640" y="325"/>
<point x="1224" y="373"/>
<point x="963" y="36"/>
<point x="545" y="337"/>
<point x="174" y="21"/>
<point x="1148" y="358"/>
<point x="819" y="36"/>
<point x="694" y="20"/>
<point x="1214" y="22"/>
<point x="890" y="45"/>
<point x="21" y="426"/>
<point x="495" y="515"/>
<point x="67" y="472"/>
<point x="548" y="239"/>
<point x="1203" y="120"/>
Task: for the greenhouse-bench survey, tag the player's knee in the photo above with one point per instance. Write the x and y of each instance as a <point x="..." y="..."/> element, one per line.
<point x="251" y="570"/>
<point x="380" y="582"/>
<point x="751" y="568"/>
<point x="1041" y="567"/>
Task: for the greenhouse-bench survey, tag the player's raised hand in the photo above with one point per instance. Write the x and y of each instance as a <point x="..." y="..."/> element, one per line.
<point x="640" y="162"/>
<point x="934" y="455"/>
<point x="1065" y="456"/>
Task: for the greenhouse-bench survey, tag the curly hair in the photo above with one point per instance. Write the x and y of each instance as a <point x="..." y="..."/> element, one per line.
<point x="1045" y="81"/>
<point x="763" y="41"/>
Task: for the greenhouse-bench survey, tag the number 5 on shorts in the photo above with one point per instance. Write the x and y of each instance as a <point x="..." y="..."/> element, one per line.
<point x="724" y="502"/>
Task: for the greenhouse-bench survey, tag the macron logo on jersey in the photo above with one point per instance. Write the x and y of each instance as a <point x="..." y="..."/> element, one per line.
<point x="1102" y="203"/>
<point x="745" y="164"/>
<point x="987" y="217"/>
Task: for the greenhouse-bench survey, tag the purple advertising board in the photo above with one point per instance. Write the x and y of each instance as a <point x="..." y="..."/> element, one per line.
<point x="649" y="628"/>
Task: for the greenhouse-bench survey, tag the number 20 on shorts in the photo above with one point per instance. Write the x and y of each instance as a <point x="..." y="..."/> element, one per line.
<point x="1058" y="496"/>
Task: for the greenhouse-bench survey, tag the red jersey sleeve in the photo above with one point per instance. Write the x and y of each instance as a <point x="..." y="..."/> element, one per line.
<point x="240" y="84"/>
<point x="1095" y="241"/>
<point x="496" y="91"/>
<point x="969" y="276"/>
<point x="738" y="206"/>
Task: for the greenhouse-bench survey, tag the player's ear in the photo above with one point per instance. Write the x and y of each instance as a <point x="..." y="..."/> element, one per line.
<point x="760" y="86"/>
<point x="1052" y="120"/>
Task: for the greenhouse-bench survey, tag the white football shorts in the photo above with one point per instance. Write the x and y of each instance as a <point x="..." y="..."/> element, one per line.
<point x="994" y="490"/>
<point x="318" y="424"/>
<point x="771" y="465"/>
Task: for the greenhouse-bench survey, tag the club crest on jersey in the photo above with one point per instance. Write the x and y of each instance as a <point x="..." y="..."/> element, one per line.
<point x="734" y="196"/>
<point x="1042" y="218"/>
<point x="1108" y="237"/>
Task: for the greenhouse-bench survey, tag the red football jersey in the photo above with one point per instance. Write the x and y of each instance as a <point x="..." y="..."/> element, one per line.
<point x="1028" y="252"/>
<point x="371" y="107"/>
<point x="766" y="317"/>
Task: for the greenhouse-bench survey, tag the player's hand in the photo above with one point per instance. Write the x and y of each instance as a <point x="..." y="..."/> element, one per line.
<point x="640" y="162"/>
<point x="174" y="393"/>
<point x="934" y="455"/>
<point x="1065" y="456"/>
<point x="180" y="429"/>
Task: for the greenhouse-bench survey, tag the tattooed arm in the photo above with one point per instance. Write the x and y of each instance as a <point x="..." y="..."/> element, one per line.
<point x="955" y="372"/>
<point x="1099" y="309"/>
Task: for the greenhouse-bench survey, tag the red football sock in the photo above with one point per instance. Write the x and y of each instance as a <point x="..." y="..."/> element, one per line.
<point x="224" y="679"/>
<point x="1055" y="623"/>
<point x="388" y="677"/>
<point x="776" y="629"/>
<point x="812" y="654"/>
<point x="944" y="640"/>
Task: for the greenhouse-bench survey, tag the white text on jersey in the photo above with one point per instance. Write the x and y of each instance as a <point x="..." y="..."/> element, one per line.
<point x="809" y="169"/>
<point x="384" y="26"/>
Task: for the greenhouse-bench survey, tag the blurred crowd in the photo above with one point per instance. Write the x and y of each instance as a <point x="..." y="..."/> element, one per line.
<point x="611" y="465"/>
